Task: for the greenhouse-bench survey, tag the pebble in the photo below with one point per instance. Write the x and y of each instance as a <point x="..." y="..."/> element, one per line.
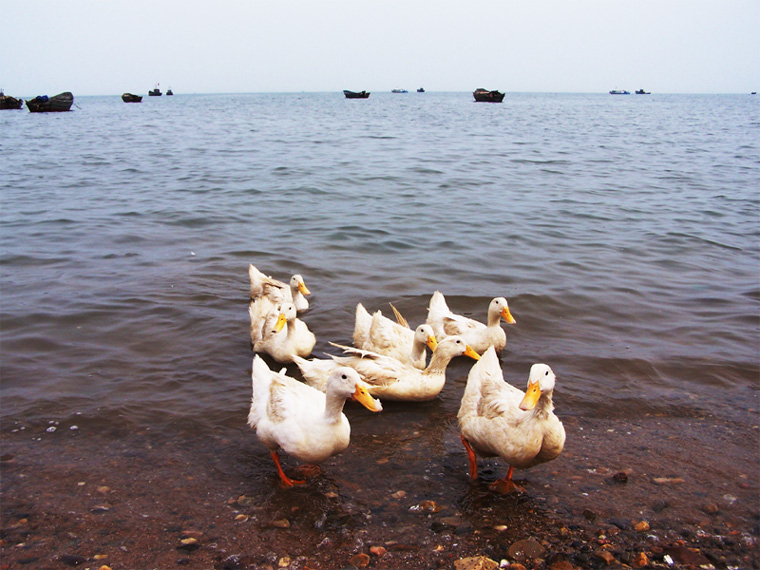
<point x="425" y="507"/>
<point x="284" y="562"/>
<point x="188" y="544"/>
<point x="640" y="560"/>
<point x="641" y="526"/>
<point x="281" y="523"/>
<point x="361" y="560"/>
<point x="668" y="480"/>
<point x="378" y="551"/>
<point x="605" y="556"/>
<point x="526" y="549"/>
<point x="475" y="563"/>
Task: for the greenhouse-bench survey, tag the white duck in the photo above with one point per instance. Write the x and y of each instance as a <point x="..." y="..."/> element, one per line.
<point x="378" y="333"/>
<point x="387" y="377"/>
<point x="277" y="291"/>
<point x="497" y="419"/>
<point x="475" y="333"/>
<point x="281" y="335"/>
<point x="300" y="420"/>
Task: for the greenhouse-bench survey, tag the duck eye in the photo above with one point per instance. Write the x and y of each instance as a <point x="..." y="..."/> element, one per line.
<point x="344" y="376"/>
<point x="546" y="373"/>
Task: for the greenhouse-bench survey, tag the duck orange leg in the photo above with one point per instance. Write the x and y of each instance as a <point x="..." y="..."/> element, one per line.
<point x="505" y="485"/>
<point x="471" y="459"/>
<point x="287" y="481"/>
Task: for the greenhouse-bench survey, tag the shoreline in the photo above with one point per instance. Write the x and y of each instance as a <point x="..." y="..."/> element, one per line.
<point x="140" y="499"/>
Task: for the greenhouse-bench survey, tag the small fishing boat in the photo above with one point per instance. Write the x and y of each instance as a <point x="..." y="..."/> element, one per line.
<point x="56" y="104"/>
<point x="355" y="94"/>
<point x="619" y="92"/>
<point x="156" y="92"/>
<point x="169" y="92"/>
<point x="642" y="92"/>
<point x="8" y="102"/>
<point x="397" y="90"/>
<point x="131" y="98"/>
<point x="485" y="96"/>
<point x="421" y="90"/>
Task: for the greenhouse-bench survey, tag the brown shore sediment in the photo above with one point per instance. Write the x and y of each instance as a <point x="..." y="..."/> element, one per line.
<point x="622" y="495"/>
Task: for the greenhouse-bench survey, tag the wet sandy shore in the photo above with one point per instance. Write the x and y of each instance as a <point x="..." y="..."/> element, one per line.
<point x="657" y="492"/>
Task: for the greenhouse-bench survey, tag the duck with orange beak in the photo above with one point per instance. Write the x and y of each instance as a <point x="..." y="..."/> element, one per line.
<point x="499" y="420"/>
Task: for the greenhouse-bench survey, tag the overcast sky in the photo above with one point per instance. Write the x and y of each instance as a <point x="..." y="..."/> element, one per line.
<point x="104" y="47"/>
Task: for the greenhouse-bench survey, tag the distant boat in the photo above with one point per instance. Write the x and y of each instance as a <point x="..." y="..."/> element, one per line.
<point x="642" y="92"/>
<point x="8" y="102"/>
<point x="397" y="90"/>
<point x="355" y="94"/>
<point x="619" y="92"/>
<point x="56" y="104"/>
<point x="485" y="96"/>
<point x="421" y="90"/>
<point x="169" y="92"/>
<point x="131" y="98"/>
<point x="155" y="92"/>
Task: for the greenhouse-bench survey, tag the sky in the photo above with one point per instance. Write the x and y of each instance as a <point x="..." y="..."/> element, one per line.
<point x="105" y="47"/>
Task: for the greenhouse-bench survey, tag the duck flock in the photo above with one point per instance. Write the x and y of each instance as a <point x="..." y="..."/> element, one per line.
<point x="389" y="361"/>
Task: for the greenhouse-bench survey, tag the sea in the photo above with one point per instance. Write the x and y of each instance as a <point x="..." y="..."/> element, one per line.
<point x="623" y="230"/>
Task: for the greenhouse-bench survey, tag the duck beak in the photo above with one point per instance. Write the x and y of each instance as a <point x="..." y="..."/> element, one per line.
<point x="280" y="324"/>
<point x="507" y="316"/>
<point x="532" y="394"/>
<point x="362" y="396"/>
<point x="432" y="343"/>
<point x="302" y="288"/>
<point x="468" y="351"/>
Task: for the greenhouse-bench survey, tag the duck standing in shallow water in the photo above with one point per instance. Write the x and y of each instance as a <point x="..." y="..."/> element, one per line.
<point x="497" y="419"/>
<point x="303" y="422"/>
<point x="474" y="333"/>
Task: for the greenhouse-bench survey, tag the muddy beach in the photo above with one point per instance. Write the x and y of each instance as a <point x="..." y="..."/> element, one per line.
<point x="624" y="494"/>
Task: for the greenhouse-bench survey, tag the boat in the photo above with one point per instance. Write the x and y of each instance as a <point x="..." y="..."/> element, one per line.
<point x="421" y="90"/>
<point x="355" y="94"/>
<point x="155" y="92"/>
<point x="485" y="96"/>
<point x="169" y="92"/>
<point x="131" y="98"/>
<point x="55" y="104"/>
<point x="399" y="91"/>
<point x="642" y="92"/>
<point x="8" y="102"/>
<point x="619" y="92"/>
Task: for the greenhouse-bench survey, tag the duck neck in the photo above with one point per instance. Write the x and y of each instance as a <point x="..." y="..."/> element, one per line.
<point x="438" y="362"/>
<point x="494" y="319"/>
<point x="544" y="406"/>
<point x="333" y="406"/>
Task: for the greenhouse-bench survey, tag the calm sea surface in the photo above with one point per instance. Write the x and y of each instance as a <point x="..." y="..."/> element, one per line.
<point x="624" y="231"/>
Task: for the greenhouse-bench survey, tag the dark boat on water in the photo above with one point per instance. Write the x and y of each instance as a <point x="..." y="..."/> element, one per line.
<point x="355" y="94"/>
<point x="155" y="92"/>
<point x="56" y="104"/>
<point x="131" y="98"/>
<point x="642" y="92"/>
<point x="169" y="92"/>
<point x="421" y="90"/>
<point x="8" y="102"/>
<point x="485" y="96"/>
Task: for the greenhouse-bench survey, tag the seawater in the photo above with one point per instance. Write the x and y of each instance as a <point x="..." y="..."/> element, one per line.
<point x="624" y="232"/>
